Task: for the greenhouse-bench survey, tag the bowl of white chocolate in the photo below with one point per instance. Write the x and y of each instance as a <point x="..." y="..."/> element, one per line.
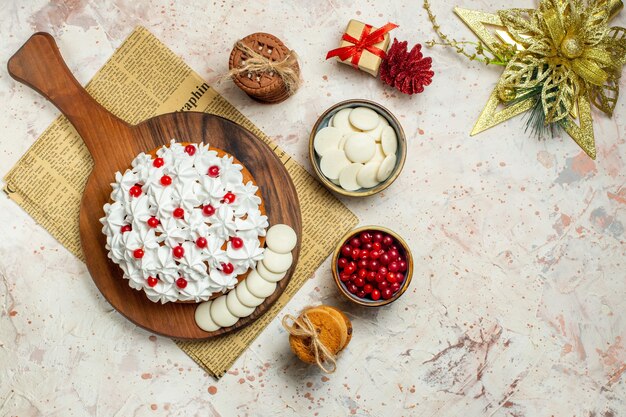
<point x="357" y="148"/>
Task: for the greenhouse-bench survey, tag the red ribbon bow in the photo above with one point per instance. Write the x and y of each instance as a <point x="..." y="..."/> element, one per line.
<point x="366" y="42"/>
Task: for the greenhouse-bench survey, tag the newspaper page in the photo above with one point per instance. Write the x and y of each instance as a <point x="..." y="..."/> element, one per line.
<point x="142" y="79"/>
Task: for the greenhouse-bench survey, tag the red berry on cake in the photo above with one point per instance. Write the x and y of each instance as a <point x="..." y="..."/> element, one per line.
<point x="126" y="228"/>
<point x="229" y="198"/>
<point x="228" y="268"/>
<point x="135" y="191"/>
<point x="201" y="242"/>
<point x="158" y="163"/>
<point x="152" y="281"/>
<point x="236" y="242"/>
<point x="190" y="149"/>
<point x="208" y="210"/>
<point x="153" y="222"/>
<point x="178" y="252"/>
<point x="166" y="180"/>
<point x="179" y="213"/>
<point x="181" y="283"/>
<point x="214" y="171"/>
<point x="138" y="253"/>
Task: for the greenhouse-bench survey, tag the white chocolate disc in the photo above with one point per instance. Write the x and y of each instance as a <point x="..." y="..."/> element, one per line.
<point x="386" y="167"/>
<point x="366" y="176"/>
<point x="327" y="139"/>
<point x="341" y="120"/>
<point x="360" y="147"/>
<point x="389" y="140"/>
<point x="379" y="155"/>
<point x="336" y="182"/>
<point x="377" y="132"/>
<point x="364" y="118"/>
<point x="347" y="178"/>
<point x="276" y="262"/>
<point x="246" y="297"/>
<point x="258" y="286"/>
<point x="332" y="163"/>
<point x="268" y="275"/>
<point x="220" y="314"/>
<point x="236" y="307"/>
<point x="203" y="317"/>
<point x="281" y="238"/>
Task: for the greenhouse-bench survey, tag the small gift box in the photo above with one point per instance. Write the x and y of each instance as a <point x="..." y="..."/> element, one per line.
<point x="363" y="46"/>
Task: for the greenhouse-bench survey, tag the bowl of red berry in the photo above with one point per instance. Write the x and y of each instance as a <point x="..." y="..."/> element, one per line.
<point x="372" y="266"/>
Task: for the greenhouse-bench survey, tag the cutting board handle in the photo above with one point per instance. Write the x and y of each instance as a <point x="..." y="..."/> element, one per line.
<point x="38" y="64"/>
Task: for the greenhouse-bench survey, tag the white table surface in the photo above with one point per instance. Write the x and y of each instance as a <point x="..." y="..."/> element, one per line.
<point x="517" y="306"/>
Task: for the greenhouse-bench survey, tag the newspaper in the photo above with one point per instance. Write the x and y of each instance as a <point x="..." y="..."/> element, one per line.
<point x="142" y="79"/>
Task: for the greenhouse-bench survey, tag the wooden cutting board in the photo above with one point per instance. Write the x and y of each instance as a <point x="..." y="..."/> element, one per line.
<point x="113" y="144"/>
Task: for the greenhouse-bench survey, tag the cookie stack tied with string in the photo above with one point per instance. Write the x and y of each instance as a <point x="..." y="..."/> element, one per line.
<point x="358" y="148"/>
<point x="264" y="68"/>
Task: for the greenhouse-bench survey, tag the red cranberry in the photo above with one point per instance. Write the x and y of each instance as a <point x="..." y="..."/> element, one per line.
<point x="377" y="237"/>
<point x="201" y="242"/>
<point x="395" y="287"/>
<point x="355" y="242"/>
<point x="236" y="242"/>
<point x="153" y="222"/>
<point x="374" y="265"/>
<point x="352" y="288"/>
<point x="138" y="253"/>
<point x="350" y="268"/>
<point x="135" y="191"/>
<point x="368" y="288"/>
<point x="366" y="237"/>
<point x="367" y="246"/>
<point x="402" y="266"/>
<point x="387" y="293"/>
<point x="377" y="246"/>
<point x="383" y="285"/>
<point x="179" y="213"/>
<point x="152" y="281"/>
<point x="374" y="254"/>
<point x="362" y="273"/>
<point x="371" y="276"/>
<point x="382" y="270"/>
<point x="344" y="277"/>
<point x="393" y="254"/>
<point x="387" y="241"/>
<point x="229" y="198"/>
<point x="178" y="252"/>
<point x="375" y="295"/>
<point x="385" y="259"/>
<point x="365" y="254"/>
<point x="214" y="171"/>
<point x="126" y="228"/>
<point x="208" y="210"/>
<point x="166" y="180"/>
<point x="393" y="266"/>
<point x="362" y="263"/>
<point x="228" y="268"/>
<point x="361" y="294"/>
<point x="380" y="277"/>
<point x="190" y="149"/>
<point x="181" y="283"/>
<point x="355" y="253"/>
<point x="342" y="262"/>
<point x="346" y="251"/>
<point x="158" y="163"/>
<point x="359" y="282"/>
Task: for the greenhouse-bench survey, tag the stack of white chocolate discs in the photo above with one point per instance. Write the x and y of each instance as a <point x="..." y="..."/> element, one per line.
<point x="357" y="149"/>
<point x="260" y="283"/>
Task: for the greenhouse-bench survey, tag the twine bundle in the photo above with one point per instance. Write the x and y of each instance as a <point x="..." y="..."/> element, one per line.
<point x="302" y="327"/>
<point x="256" y="63"/>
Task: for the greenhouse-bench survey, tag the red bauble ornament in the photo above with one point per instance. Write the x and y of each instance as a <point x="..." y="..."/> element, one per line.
<point x="178" y="252"/>
<point x="135" y="191"/>
<point x="228" y="268"/>
<point x="138" y="253"/>
<point x="152" y="281"/>
<point x="201" y="242"/>
<point x="153" y="222"/>
<point x="158" y="162"/>
<point x="214" y="171"/>
<point x="179" y="212"/>
<point x="126" y="228"/>
<point x="208" y="210"/>
<point x="166" y="180"/>
<point x="181" y="283"/>
<point x="190" y="149"/>
<point x="236" y="242"/>
<point x="409" y="72"/>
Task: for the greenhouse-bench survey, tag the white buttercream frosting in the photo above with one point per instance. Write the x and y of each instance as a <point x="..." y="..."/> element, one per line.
<point x="191" y="188"/>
